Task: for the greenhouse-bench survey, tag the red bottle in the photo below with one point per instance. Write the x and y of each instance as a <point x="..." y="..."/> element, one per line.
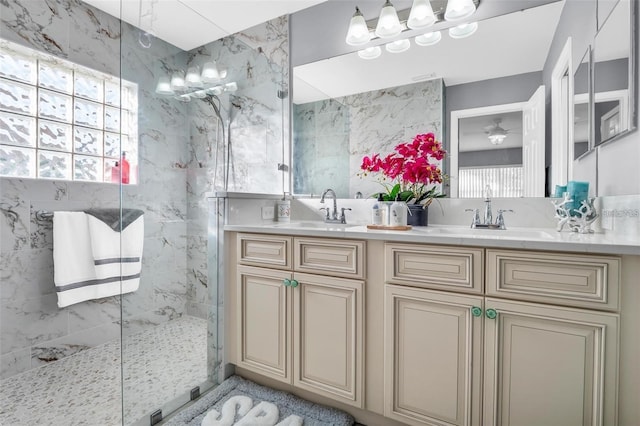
<point x="124" y="168"/>
<point x="115" y="173"/>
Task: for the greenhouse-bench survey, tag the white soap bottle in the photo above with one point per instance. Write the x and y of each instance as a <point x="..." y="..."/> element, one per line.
<point x="377" y="212"/>
<point x="398" y="213"/>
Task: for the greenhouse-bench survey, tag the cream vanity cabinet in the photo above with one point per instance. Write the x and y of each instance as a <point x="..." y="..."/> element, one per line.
<point x="299" y="312"/>
<point x="534" y="346"/>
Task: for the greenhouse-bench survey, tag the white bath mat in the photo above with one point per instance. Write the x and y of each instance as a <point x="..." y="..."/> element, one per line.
<point x="240" y="402"/>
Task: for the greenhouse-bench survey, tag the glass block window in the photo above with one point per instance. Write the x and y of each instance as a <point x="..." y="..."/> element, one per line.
<point x="60" y="120"/>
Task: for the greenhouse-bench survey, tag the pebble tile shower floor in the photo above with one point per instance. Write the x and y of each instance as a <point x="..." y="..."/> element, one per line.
<point x="85" y="388"/>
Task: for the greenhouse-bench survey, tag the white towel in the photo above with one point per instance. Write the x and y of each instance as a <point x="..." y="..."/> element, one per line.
<point x="87" y="259"/>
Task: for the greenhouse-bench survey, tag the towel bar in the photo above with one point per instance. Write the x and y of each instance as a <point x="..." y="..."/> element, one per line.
<point x="44" y="215"/>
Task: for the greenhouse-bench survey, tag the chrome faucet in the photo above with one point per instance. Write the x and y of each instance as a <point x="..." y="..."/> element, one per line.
<point x="333" y="216"/>
<point x="488" y="214"/>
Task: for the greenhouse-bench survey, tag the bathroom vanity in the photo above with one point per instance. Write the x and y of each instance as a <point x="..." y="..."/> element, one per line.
<point x="438" y="326"/>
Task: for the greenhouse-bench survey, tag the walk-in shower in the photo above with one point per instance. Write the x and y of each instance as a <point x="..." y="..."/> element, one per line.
<point x="76" y="87"/>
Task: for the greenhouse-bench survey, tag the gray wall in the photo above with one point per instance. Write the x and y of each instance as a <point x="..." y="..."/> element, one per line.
<point x="490" y="157"/>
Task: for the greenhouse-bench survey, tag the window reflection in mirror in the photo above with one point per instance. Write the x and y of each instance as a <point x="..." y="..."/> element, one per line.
<point x="611" y="59"/>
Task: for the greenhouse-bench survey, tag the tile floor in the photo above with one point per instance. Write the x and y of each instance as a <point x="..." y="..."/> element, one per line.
<point x="85" y="389"/>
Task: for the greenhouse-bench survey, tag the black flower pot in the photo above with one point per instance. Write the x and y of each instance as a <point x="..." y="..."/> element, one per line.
<point x="418" y="215"/>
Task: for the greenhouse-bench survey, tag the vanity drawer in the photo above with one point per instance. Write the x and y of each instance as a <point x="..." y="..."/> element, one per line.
<point x="343" y="258"/>
<point x="438" y="267"/>
<point x="587" y="281"/>
<point x="264" y="250"/>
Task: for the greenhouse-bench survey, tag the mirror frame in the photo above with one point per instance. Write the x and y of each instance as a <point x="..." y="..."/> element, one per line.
<point x="632" y="98"/>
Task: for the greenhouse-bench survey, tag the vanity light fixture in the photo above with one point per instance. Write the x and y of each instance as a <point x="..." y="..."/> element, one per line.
<point x="463" y="30"/>
<point x="428" y="39"/>
<point x="458" y="10"/>
<point x="195" y="83"/>
<point x="371" y="52"/>
<point x="421" y="15"/>
<point x="398" y="46"/>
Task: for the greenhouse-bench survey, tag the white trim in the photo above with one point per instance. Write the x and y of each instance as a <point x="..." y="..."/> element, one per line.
<point x="561" y="115"/>
<point x="454" y="139"/>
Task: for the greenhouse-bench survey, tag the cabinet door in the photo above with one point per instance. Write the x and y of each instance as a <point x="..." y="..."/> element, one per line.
<point x="432" y="362"/>
<point x="263" y="321"/>
<point x="328" y="336"/>
<point x="549" y="366"/>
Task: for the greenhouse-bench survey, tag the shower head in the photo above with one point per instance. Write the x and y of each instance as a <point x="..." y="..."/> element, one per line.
<point x="210" y="99"/>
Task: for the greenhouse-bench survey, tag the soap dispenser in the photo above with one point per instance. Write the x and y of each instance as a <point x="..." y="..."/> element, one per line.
<point x="398" y="213"/>
<point x="378" y="212"/>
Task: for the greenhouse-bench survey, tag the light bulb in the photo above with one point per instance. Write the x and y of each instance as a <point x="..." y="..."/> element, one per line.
<point x="459" y="9"/>
<point x="463" y="30"/>
<point x="193" y="77"/>
<point x="164" y="86"/>
<point x="428" y="39"/>
<point x="210" y="73"/>
<point x="398" y="46"/>
<point x="388" y="22"/>
<point x="372" y="52"/>
<point x="177" y="82"/>
<point x="358" y="33"/>
<point x="421" y="15"/>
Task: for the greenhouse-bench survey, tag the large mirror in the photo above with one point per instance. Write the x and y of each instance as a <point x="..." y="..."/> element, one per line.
<point x="612" y="111"/>
<point x="505" y="62"/>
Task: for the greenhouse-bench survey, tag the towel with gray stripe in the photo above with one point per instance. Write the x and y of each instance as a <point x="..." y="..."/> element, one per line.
<point x="97" y="253"/>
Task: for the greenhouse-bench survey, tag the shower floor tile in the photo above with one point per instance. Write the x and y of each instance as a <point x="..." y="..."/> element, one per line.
<point x="88" y="388"/>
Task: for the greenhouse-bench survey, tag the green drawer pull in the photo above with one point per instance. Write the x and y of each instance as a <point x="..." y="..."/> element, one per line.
<point x="491" y="313"/>
<point x="476" y="312"/>
<point x="294" y="283"/>
<point x="286" y="282"/>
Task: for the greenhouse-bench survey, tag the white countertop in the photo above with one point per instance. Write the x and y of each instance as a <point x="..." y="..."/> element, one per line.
<point x="518" y="238"/>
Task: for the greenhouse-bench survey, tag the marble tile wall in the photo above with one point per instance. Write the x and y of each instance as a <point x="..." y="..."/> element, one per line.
<point x="33" y="330"/>
<point x="366" y="123"/>
<point x="255" y="120"/>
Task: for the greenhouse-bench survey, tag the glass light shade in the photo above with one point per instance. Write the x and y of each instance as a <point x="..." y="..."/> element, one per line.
<point x="497" y="138"/>
<point x="459" y="9"/>
<point x="210" y="73"/>
<point x="428" y="39"/>
<point x="358" y="33"/>
<point x="215" y="90"/>
<point x="398" y="46"/>
<point x="193" y="77"/>
<point x="388" y="22"/>
<point x="164" y="86"/>
<point x="372" y="52"/>
<point x="421" y="15"/>
<point x="177" y="82"/>
<point x="463" y="30"/>
<point x="231" y="87"/>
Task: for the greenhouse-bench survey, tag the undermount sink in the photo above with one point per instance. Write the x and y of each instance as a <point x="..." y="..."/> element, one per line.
<point x="514" y="233"/>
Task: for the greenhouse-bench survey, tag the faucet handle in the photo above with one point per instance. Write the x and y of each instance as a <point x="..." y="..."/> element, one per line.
<point x="343" y="219"/>
<point x="500" y="218"/>
<point x="326" y="209"/>
<point x="476" y="217"/>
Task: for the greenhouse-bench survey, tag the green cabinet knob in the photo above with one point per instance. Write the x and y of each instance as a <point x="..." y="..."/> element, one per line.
<point x="294" y="283"/>
<point x="491" y="313"/>
<point x="475" y="311"/>
<point x="286" y="282"/>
